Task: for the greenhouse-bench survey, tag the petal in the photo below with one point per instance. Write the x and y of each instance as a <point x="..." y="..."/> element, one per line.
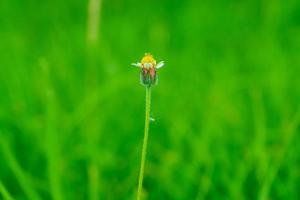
<point x="160" y="65"/>
<point x="136" y="64"/>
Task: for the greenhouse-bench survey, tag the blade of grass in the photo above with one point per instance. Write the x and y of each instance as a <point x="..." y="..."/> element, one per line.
<point x="259" y="126"/>
<point x="51" y="135"/>
<point x="94" y="8"/>
<point x="289" y="133"/>
<point x="18" y="171"/>
<point x="5" y="194"/>
<point x="93" y="174"/>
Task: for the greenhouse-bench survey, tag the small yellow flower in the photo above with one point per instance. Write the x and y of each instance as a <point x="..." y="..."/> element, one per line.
<point x="148" y="68"/>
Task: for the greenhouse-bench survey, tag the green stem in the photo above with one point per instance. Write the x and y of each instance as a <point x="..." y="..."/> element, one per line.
<point x="144" y="149"/>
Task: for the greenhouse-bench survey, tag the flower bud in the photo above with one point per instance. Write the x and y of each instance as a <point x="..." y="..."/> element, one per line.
<point x="148" y="66"/>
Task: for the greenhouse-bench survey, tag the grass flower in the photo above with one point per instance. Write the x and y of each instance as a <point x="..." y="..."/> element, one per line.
<point x="148" y="76"/>
<point x="149" y="69"/>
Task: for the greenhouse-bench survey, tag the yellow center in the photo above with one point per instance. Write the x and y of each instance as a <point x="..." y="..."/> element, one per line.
<point x="148" y="58"/>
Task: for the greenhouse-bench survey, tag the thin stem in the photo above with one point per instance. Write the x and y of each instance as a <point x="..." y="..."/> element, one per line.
<point x="144" y="149"/>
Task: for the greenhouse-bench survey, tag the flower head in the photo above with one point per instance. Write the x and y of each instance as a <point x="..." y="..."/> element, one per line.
<point x="148" y="68"/>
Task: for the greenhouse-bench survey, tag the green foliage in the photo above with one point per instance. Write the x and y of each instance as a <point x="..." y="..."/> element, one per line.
<point x="226" y="108"/>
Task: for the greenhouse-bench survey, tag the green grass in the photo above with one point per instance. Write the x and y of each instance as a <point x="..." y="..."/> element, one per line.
<point x="5" y="194"/>
<point x="226" y="109"/>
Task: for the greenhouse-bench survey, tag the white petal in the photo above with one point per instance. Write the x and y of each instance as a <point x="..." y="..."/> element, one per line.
<point x="160" y="65"/>
<point x="136" y="64"/>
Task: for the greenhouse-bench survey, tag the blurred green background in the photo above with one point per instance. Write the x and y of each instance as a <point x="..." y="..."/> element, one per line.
<point x="226" y="107"/>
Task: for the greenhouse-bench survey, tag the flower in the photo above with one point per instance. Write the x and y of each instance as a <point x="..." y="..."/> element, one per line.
<point x="148" y="68"/>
